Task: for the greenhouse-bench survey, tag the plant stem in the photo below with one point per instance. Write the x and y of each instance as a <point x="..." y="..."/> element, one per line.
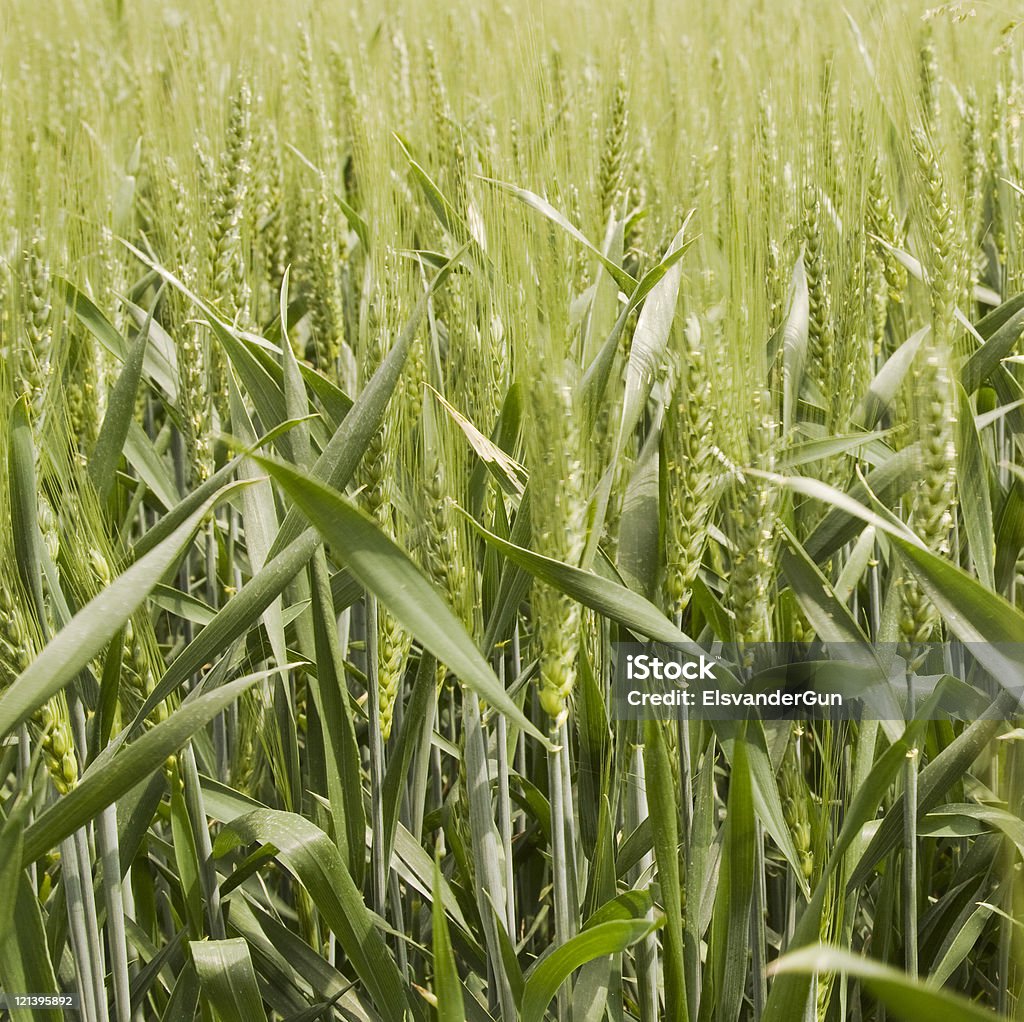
<point x="378" y="866"/>
<point x="484" y="838"/>
<point x="910" y="846"/>
<point x="78" y="927"/>
<point x="559" y="870"/>
<point x="204" y="848"/>
<point x="107" y="842"/>
<point x="505" y="810"/>
<point x="636" y="811"/>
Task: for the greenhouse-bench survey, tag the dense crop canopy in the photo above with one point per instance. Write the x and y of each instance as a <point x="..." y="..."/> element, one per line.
<point x="370" y="372"/>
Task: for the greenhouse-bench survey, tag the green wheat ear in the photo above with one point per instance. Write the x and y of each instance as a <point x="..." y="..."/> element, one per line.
<point x="228" y="243"/>
<point x="752" y="522"/>
<point x="557" y="510"/>
<point x="613" y="151"/>
<point x="35" y="358"/>
<point x="821" y="340"/>
<point x="929" y="78"/>
<point x="690" y="469"/>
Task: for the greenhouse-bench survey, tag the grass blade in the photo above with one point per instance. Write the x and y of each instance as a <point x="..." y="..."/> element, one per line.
<point x="909" y="1000"/>
<point x="387" y="572"/>
<point x="228" y="979"/>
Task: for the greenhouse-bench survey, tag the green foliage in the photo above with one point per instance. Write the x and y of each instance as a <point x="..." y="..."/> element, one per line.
<point x="367" y="374"/>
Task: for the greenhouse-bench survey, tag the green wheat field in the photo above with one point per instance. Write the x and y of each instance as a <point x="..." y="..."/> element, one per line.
<point x="370" y="371"/>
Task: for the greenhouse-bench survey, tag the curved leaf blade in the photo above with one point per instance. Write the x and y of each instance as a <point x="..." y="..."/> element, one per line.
<point x="385" y="570"/>
<point x="551" y="972"/>
<point x="601" y="594"/>
<point x="906" y="998"/>
<point x="314" y="860"/>
<point x="103" y="783"/>
<point x="88" y="632"/>
<point x="228" y="979"/>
